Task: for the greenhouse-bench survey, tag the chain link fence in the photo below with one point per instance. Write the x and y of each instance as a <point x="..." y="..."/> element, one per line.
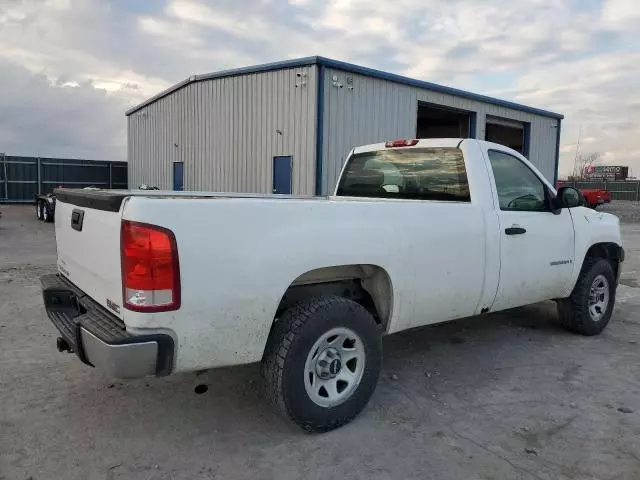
<point x="620" y="190"/>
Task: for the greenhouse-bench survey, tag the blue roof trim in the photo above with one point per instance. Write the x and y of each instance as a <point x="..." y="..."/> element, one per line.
<point x="555" y="173"/>
<point x="526" y="140"/>
<point x="433" y="87"/>
<point x="473" y="125"/>
<point x="349" y="67"/>
<point x="234" y="72"/>
<point x="320" y="131"/>
<point x="158" y="96"/>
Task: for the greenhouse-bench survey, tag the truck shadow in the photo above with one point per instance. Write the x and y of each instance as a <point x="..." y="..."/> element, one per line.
<point x="478" y="373"/>
<point x="414" y="362"/>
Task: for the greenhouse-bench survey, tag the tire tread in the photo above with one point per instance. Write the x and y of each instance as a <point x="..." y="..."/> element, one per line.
<point x="573" y="315"/>
<point x="280" y="341"/>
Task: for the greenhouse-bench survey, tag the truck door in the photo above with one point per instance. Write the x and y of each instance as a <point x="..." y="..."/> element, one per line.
<point x="536" y="245"/>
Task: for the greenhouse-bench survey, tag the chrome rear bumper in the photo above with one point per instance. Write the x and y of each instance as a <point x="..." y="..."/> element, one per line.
<point x="99" y="338"/>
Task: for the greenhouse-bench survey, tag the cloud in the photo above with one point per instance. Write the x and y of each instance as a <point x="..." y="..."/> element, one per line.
<point x="621" y="15"/>
<point x="578" y="57"/>
<point x="66" y="119"/>
<point x="598" y="95"/>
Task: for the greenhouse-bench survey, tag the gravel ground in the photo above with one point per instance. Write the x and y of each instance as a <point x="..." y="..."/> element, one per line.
<point x="628" y="212"/>
<point x="504" y="396"/>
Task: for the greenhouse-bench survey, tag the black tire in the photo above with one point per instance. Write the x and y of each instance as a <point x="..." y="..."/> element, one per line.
<point x="47" y="217"/>
<point x="574" y="311"/>
<point x="39" y="210"/>
<point x="290" y="342"/>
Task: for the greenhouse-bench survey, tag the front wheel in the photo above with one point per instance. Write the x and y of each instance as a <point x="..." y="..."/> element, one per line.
<point x="322" y="362"/>
<point x="588" y="310"/>
<point x="39" y="210"/>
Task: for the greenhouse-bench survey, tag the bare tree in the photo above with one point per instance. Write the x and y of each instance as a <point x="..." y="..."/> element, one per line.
<point x="583" y="162"/>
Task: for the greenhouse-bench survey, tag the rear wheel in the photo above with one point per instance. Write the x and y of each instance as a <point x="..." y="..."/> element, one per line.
<point x="322" y="362"/>
<point x="46" y="215"/>
<point x="588" y="310"/>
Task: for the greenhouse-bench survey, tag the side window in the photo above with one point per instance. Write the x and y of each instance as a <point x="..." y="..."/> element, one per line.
<point x="518" y="187"/>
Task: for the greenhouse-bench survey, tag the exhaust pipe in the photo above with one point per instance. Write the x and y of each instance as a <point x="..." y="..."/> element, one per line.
<point x="62" y="345"/>
<point x="202" y="378"/>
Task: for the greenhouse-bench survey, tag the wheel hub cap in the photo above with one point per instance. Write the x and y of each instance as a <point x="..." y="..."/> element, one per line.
<point x="328" y="363"/>
<point x="598" y="298"/>
<point x="334" y="367"/>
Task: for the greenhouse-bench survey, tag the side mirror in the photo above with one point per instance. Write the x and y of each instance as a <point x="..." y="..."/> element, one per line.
<point x="569" y="197"/>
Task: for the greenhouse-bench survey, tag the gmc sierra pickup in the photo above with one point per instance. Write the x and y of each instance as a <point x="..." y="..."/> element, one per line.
<point x="417" y="232"/>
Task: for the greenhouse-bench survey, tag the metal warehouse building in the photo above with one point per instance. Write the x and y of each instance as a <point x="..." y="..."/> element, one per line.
<point x="286" y="127"/>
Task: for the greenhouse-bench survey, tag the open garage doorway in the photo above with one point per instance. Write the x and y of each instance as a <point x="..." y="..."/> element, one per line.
<point x="435" y="121"/>
<point x="509" y="133"/>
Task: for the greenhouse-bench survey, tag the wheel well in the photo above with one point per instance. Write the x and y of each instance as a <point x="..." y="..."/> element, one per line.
<point x="368" y="285"/>
<point x="606" y="250"/>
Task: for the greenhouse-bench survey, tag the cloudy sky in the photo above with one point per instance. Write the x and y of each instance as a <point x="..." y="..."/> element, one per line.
<point x="70" y="68"/>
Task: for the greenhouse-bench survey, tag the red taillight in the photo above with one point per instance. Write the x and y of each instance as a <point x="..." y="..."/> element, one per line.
<point x="150" y="268"/>
<point x="401" y="143"/>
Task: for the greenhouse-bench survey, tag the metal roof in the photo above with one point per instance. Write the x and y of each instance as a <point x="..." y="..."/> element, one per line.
<point x="347" y="67"/>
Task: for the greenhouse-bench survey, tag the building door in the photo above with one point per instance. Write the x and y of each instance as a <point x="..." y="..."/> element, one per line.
<point x="282" y="175"/>
<point x="509" y="133"/>
<point x="178" y="176"/>
<point x="435" y="121"/>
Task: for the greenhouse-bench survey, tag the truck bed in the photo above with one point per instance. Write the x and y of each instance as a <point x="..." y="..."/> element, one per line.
<point x="238" y="256"/>
<point x="111" y="200"/>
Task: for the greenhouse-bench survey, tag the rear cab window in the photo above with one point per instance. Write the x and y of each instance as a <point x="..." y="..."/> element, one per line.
<point x="436" y="174"/>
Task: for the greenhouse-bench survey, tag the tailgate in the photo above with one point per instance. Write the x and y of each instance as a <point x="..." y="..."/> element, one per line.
<point x="88" y="242"/>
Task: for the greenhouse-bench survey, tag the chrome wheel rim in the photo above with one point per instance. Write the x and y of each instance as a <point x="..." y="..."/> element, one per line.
<point x="598" y="298"/>
<point x="45" y="214"/>
<point x="334" y="367"/>
<point x="38" y="211"/>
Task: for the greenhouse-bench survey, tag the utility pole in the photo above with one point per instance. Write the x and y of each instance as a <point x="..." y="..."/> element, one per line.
<point x="575" y="160"/>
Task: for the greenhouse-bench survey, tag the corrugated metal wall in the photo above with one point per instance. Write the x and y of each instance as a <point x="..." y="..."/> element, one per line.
<point x="375" y="110"/>
<point x="227" y="131"/>
<point x="22" y="178"/>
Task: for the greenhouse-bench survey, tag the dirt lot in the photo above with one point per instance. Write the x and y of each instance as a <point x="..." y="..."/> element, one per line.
<point x="506" y="396"/>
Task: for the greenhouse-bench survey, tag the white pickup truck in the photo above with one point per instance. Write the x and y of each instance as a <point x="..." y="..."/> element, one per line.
<point x="418" y="232"/>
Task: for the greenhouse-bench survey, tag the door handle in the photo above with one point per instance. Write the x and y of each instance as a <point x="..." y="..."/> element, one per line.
<point x="77" y="218"/>
<point x="515" y="230"/>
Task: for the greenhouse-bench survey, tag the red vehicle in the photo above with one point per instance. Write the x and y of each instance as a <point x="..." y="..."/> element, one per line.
<point x="593" y="197"/>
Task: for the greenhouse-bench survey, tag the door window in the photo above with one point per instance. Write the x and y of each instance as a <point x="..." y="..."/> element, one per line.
<point x="519" y="189"/>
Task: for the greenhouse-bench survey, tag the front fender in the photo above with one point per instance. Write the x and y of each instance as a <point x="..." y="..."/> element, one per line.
<point x="591" y="228"/>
